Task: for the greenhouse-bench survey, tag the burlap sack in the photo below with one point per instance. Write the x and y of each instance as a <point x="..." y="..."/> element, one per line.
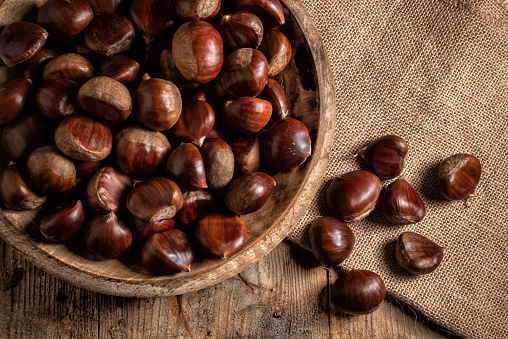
<point x="436" y="73"/>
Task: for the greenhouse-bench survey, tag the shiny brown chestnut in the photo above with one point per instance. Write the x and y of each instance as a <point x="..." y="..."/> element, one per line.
<point x="107" y="190"/>
<point x="418" y="254"/>
<point x="106" y="236"/>
<point x="64" y="19"/>
<point x="197" y="51"/>
<point x="106" y="99"/>
<point x="15" y="191"/>
<point x="80" y="47"/>
<point x="277" y="49"/>
<point x="240" y="30"/>
<point x="245" y="73"/>
<point x="63" y="222"/>
<point x="248" y="152"/>
<point x="458" y="176"/>
<point x="155" y="199"/>
<point x="171" y="73"/>
<point x="185" y="166"/>
<point x="274" y="94"/>
<point x="386" y="156"/>
<point x="154" y="19"/>
<point x="84" y="139"/>
<point x="109" y="34"/>
<point x="196" y="94"/>
<point x="14" y="96"/>
<point x="20" y="41"/>
<point x="220" y="235"/>
<point x="197" y="9"/>
<point x="105" y="6"/>
<point x="71" y="66"/>
<point x="219" y="163"/>
<point x="196" y="204"/>
<point x="33" y="67"/>
<point x="352" y="196"/>
<point x="249" y="192"/>
<point x="246" y="115"/>
<point x="358" y="292"/>
<point x="167" y="253"/>
<point x="49" y="171"/>
<point x="331" y="240"/>
<point x="141" y="229"/>
<point x="84" y="168"/>
<point x="120" y="68"/>
<point x="140" y="152"/>
<point x="57" y="99"/>
<point x="401" y="204"/>
<point x="158" y="104"/>
<point x="195" y="122"/>
<point x="287" y="145"/>
<point x="269" y="11"/>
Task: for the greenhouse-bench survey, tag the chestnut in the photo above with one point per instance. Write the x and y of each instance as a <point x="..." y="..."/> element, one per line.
<point x="106" y="99"/>
<point x="14" y="96"/>
<point x="331" y="240"/>
<point x="20" y="41"/>
<point x="158" y="104"/>
<point x="84" y="168"/>
<point x="418" y="254"/>
<point x="277" y="50"/>
<point x="140" y="152"/>
<point x="274" y="94"/>
<point x="197" y="9"/>
<point x="84" y="139"/>
<point x="120" y="68"/>
<point x="171" y="73"/>
<point x="57" y="99"/>
<point x="141" y="229"/>
<point x="63" y="222"/>
<point x="401" y="204"/>
<point x="246" y="115"/>
<point x="245" y="73"/>
<point x="195" y="122"/>
<point x="109" y="34"/>
<point x="15" y="191"/>
<point x="240" y="30"/>
<point x="49" y="171"/>
<point x="106" y="236"/>
<point x="167" y="253"/>
<point x="358" y="292"/>
<point x="219" y="163"/>
<point x="287" y="145"/>
<point x="197" y="51"/>
<point x="185" y="166"/>
<point x="352" y="196"/>
<point x="196" y="94"/>
<point x="80" y="47"/>
<point x="196" y="204"/>
<point x="220" y="235"/>
<point x="105" y="6"/>
<point x="107" y="190"/>
<point x="269" y="11"/>
<point x="458" y="176"/>
<point x="33" y="67"/>
<point x="71" y="66"/>
<point x="64" y="19"/>
<point x="155" y="199"/>
<point x="249" y="192"/>
<point x="154" y="19"/>
<point x="248" y="152"/>
<point x="386" y="156"/>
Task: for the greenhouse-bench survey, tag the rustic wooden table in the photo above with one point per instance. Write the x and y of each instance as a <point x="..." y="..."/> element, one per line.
<point x="283" y="295"/>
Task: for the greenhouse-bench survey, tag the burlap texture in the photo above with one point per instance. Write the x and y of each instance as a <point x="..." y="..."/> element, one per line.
<point x="434" y="72"/>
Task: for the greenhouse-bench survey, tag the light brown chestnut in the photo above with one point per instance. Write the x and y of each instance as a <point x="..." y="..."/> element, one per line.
<point x="269" y="11"/>
<point x="57" y="99"/>
<point x="418" y="254"/>
<point x="246" y="115"/>
<point x="20" y="41"/>
<point x="120" y="68"/>
<point x="196" y="204"/>
<point x="458" y="176"/>
<point x="141" y="229"/>
<point x="240" y="30"/>
<point x="274" y="94"/>
<point x="185" y="166"/>
<point x="386" y="156"/>
<point x="33" y="67"/>
<point x="195" y="122"/>
<point x="171" y="73"/>
<point x="249" y="192"/>
<point x="63" y="222"/>
<point x="109" y="34"/>
<point x="71" y="66"/>
<point x="14" y="96"/>
<point x="248" y="152"/>
<point x="219" y="163"/>
<point x="401" y="204"/>
<point x="16" y="193"/>
<point x="331" y="240"/>
<point x="277" y="50"/>
<point x="105" y="6"/>
<point x="154" y="19"/>
<point x="106" y="236"/>
<point x="197" y="9"/>
<point x="107" y="190"/>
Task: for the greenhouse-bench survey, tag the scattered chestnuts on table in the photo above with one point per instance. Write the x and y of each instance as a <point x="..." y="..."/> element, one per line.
<point x="418" y="254"/>
<point x="401" y="204"/>
<point x="458" y="176"/>
<point x="331" y="240"/>
<point x="386" y="156"/>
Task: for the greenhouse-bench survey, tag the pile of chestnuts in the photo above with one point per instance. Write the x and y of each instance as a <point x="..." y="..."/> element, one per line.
<point x="353" y="196"/>
<point x="147" y="122"/>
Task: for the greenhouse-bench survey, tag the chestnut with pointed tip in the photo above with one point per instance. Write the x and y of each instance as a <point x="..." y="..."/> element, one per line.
<point x="249" y="192"/>
<point x="107" y="190"/>
<point x="240" y="30"/>
<point x="219" y="163"/>
<point x="57" y="99"/>
<point x="16" y="193"/>
<point x="269" y="11"/>
<point x="154" y="19"/>
<point x="386" y="156"/>
<point x="119" y="68"/>
<point x="195" y="122"/>
<point x="331" y="240"/>
<point x="401" y="204"/>
<point x="277" y="50"/>
<point x="63" y="222"/>
<point x="246" y="115"/>
<point x="248" y="152"/>
<point x="171" y="72"/>
<point x="274" y="94"/>
<point x="196" y="204"/>
<point x="418" y="254"/>
<point x="197" y="9"/>
<point x="458" y="176"/>
<point x="14" y="96"/>
<point x="20" y="41"/>
<point x="109" y="34"/>
<point x="69" y="65"/>
<point x="141" y="229"/>
<point x="185" y="166"/>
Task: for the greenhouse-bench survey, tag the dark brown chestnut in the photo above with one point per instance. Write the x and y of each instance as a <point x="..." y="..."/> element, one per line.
<point x="140" y="152"/>
<point x="105" y="6"/>
<point x="64" y="19"/>
<point x="246" y="115"/>
<point x="418" y="254"/>
<point x="248" y="152"/>
<point x="14" y="96"/>
<point x="84" y="139"/>
<point x="274" y="94"/>
<point x="249" y="192"/>
<point x="197" y="9"/>
<point x="277" y="50"/>
<point x="195" y="122"/>
<point x="71" y="66"/>
<point x="33" y="67"/>
<point x="331" y="240"/>
<point x="15" y="191"/>
<point x="287" y="145"/>
<point x="109" y="34"/>
<point x="240" y="30"/>
<point x="196" y="204"/>
<point x="84" y="168"/>
<point x="141" y="229"/>
<point x="107" y="190"/>
<point x="197" y="51"/>
<point x="80" y="47"/>
<point x="63" y="222"/>
<point x="220" y="235"/>
<point x="171" y="73"/>
<point x="196" y="94"/>
<point x="106" y="236"/>
<point x="358" y="292"/>
<point x="155" y="199"/>
<point x="185" y="166"/>
<point x="167" y="253"/>
<point x="386" y="156"/>
<point x="401" y="204"/>
<point x="49" y="171"/>
<point x="120" y="68"/>
<point x="57" y="99"/>
<point x="352" y="196"/>
<point x="154" y="19"/>
<point x="245" y="73"/>
<point x="269" y="11"/>
<point x="219" y="163"/>
<point x="458" y="176"/>
<point x="20" y="41"/>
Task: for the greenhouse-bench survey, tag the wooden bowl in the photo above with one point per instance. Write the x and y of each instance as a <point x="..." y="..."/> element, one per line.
<point x="308" y="84"/>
